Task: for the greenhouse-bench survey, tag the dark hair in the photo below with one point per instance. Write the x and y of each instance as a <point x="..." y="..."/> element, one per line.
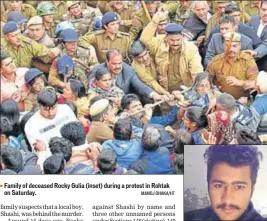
<point x="183" y="138"/>
<point x="72" y="106"/>
<point x="5" y="126"/>
<point x="201" y="76"/>
<point x="107" y="161"/>
<point x="11" y="158"/>
<point x="247" y="136"/>
<point x="151" y="138"/>
<point x="123" y="129"/>
<point x="54" y="164"/>
<point x="47" y="98"/>
<point x="100" y="73"/>
<point x="42" y="76"/>
<point x="137" y="48"/>
<point x="178" y="164"/>
<point x="10" y="109"/>
<point x="227" y="101"/>
<point x="61" y="145"/>
<point x="227" y="19"/>
<point x="113" y="51"/>
<point x="197" y="115"/>
<point x="77" y="88"/>
<point x="74" y="132"/>
<point x="231" y="7"/>
<point x="235" y="156"/>
<point x="3" y="56"/>
<point x="127" y="100"/>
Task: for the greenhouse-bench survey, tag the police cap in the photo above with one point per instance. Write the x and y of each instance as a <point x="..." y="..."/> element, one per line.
<point x="63" y="63"/>
<point x="69" y="35"/>
<point x="109" y="17"/>
<point x="232" y="36"/>
<point x="98" y="107"/>
<point x="31" y="74"/>
<point x="9" y="27"/>
<point x="173" y="28"/>
<point x="16" y="17"/>
<point x="36" y="20"/>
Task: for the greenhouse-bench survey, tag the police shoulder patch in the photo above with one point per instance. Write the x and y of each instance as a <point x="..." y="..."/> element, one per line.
<point x="124" y="33"/>
<point x="100" y="32"/>
<point x="245" y="55"/>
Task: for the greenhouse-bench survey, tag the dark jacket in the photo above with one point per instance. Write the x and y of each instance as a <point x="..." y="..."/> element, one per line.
<point x="208" y="214"/>
<point x="127" y="80"/>
<point x="255" y="23"/>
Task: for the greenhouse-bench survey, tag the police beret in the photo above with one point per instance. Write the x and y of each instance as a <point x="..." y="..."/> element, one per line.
<point x="31" y="74"/>
<point x="261" y="82"/>
<point x="232" y="36"/>
<point x="173" y="28"/>
<point x="16" y="17"/>
<point x="64" y="62"/>
<point x="9" y="27"/>
<point x="36" y="20"/>
<point x="98" y="107"/>
<point x="109" y="17"/>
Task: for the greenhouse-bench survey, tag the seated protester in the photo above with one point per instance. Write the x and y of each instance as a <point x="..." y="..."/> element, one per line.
<point x="240" y="114"/>
<point x="54" y="164"/>
<point x="220" y="127"/>
<point x="12" y="159"/>
<point x="260" y="103"/>
<point x="19" y="18"/>
<point x="145" y="67"/>
<point x="64" y="146"/>
<point x="131" y="104"/>
<point x="62" y="70"/>
<point x="36" y="82"/>
<point x="183" y="138"/>
<point x="194" y="121"/>
<point x="46" y="123"/>
<point x="155" y="159"/>
<point x="103" y="118"/>
<point x="107" y="163"/>
<point x="13" y="85"/>
<point x="127" y="150"/>
<point x="103" y="85"/>
<point x="247" y="136"/>
<point x="216" y="44"/>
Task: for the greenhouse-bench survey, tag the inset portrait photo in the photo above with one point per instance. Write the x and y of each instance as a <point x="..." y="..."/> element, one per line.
<point x="225" y="182"/>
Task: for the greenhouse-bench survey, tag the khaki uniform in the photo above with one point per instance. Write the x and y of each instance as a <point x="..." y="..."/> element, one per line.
<point x="126" y="14"/>
<point x="243" y="68"/>
<point x="251" y="10"/>
<point x="82" y="106"/>
<point x="82" y="24"/>
<point x="102" y="42"/>
<point x="27" y="10"/>
<point x="45" y="40"/>
<point x="2" y="9"/>
<point x="30" y="101"/>
<point x="51" y="31"/>
<point x="28" y="49"/>
<point x="148" y="75"/>
<point x="99" y="132"/>
<point x="182" y="14"/>
<point x="61" y="9"/>
<point x="176" y="69"/>
<point x="213" y="21"/>
<point x="32" y="3"/>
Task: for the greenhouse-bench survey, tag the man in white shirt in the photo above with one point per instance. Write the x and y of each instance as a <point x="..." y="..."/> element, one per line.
<point x="47" y="122"/>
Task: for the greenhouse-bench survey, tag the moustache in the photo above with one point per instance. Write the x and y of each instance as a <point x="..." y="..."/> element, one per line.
<point x="232" y="206"/>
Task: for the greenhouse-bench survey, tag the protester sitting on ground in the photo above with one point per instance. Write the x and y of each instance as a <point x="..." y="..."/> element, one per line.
<point x="54" y="164"/>
<point x="107" y="163"/>
<point x="155" y="159"/>
<point x="102" y="84"/>
<point x="36" y="82"/>
<point x="128" y="150"/>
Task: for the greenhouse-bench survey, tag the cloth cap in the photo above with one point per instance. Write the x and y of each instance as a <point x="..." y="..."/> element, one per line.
<point x="64" y="62"/>
<point x="9" y="27"/>
<point x="109" y="17"/>
<point x="173" y="28"/>
<point x="98" y="107"/>
<point x="36" y="20"/>
<point x="31" y="74"/>
<point x="16" y="17"/>
<point x="262" y="82"/>
<point x="232" y="36"/>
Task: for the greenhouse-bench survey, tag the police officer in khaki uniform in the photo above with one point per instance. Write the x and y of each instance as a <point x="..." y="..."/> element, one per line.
<point x="233" y="70"/>
<point x="252" y="8"/>
<point x="82" y="19"/>
<point x="183" y="12"/>
<point x="125" y="10"/>
<point x="61" y="9"/>
<point x="47" y="10"/>
<point x="111" y="37"/>
<point x="23" y="49"/>
<point x="27" y="10"/>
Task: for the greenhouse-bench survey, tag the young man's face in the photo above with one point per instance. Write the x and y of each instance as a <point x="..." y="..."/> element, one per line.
<point x="230" y="190"/>
<point x="36" y="32"/>
<point x="263" y="12"/>
<point x="15" y="5"/>
<point x="8" y="67"/>
<point x="113" y="27"/>
<point x="14" y="38"/>
<point x="136" y="106"/>
<point x="48" y="112"/>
